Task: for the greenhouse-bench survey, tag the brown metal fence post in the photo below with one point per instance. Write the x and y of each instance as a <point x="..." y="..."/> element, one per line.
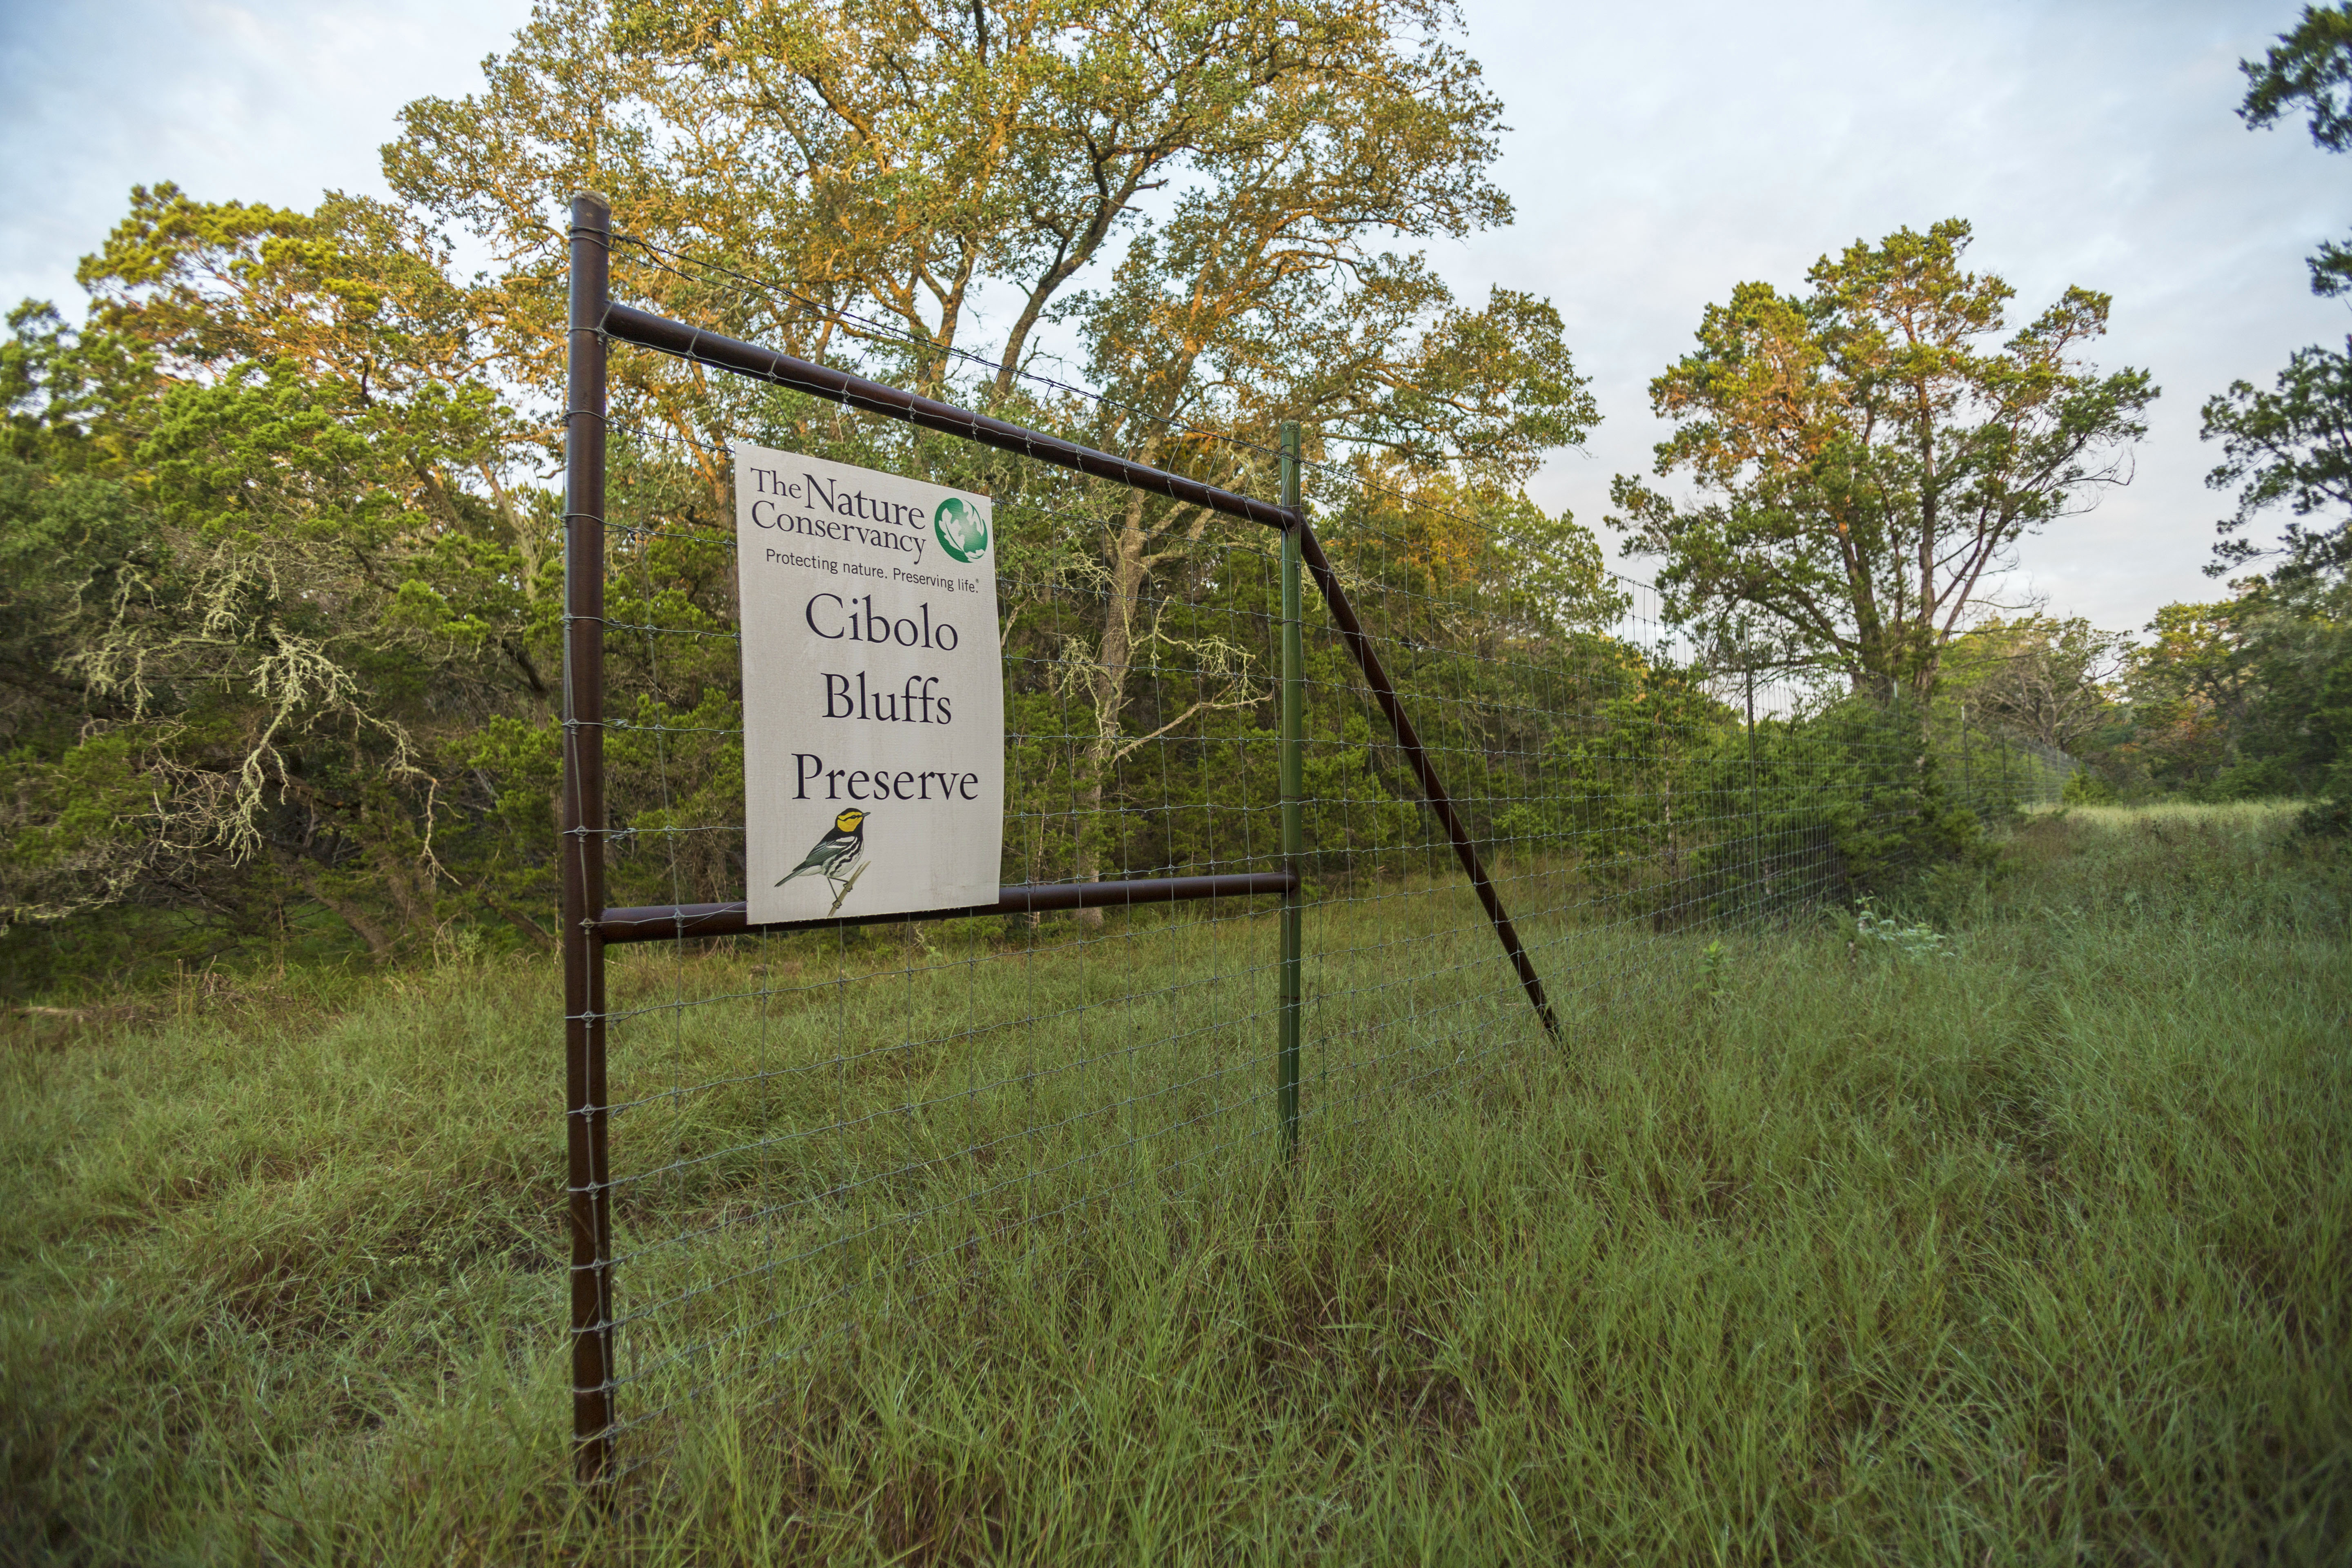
<point x="587" y="1173"/>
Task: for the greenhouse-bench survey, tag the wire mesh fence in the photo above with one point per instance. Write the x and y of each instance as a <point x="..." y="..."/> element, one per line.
<point x="786" y="1138"/>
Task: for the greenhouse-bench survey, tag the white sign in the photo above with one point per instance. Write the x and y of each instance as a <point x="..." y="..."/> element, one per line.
<point x="873" y="703"/>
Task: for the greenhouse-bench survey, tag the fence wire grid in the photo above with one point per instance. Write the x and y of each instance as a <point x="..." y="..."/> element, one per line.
<point x="818" y="1131"/>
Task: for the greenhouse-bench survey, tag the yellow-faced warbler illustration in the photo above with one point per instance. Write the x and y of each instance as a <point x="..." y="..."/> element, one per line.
<point x="834" y="855"/>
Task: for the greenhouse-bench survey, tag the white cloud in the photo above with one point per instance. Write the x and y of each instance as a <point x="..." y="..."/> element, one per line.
<point x="267" y="100"/>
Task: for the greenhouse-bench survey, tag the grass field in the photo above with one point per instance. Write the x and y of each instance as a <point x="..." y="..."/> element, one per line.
<point x="2029" y="1246"/>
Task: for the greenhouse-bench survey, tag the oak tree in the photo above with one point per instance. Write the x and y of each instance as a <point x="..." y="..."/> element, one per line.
<point x="1213" y="202"/>
<point x="1865" y="456"/>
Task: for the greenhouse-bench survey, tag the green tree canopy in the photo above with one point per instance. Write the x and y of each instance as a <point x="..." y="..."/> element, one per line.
<point x="2310" y="68"/>
<point x="2249" y="697"/>
<point x="2039" y="677"/>
<point x="2293" y="444"/>
<point x="295" y="638"/>
<point x="1866" y="456"/>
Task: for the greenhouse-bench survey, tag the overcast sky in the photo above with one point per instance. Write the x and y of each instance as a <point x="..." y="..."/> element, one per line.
<point x="1659" y="155"/>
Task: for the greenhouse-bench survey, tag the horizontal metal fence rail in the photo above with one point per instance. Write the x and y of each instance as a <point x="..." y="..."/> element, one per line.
<point x="660" y="923"/>
<point x="628" y="324"/>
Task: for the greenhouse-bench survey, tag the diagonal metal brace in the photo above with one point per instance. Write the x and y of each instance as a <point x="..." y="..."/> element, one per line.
<point x="1433" y="788"/>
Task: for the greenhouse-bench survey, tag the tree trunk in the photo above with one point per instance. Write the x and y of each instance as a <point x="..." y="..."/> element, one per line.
<point x="380" y="945"/>
<point x="1108" y="688"/>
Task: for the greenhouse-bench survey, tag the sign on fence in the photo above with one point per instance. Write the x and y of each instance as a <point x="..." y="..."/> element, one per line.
<point x="873" y="699"/>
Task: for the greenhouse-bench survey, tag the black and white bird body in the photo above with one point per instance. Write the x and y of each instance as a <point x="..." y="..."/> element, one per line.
<point x="836" y="851"/>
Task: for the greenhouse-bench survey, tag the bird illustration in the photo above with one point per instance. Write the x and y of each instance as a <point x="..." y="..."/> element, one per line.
<point x="835" y="852"/>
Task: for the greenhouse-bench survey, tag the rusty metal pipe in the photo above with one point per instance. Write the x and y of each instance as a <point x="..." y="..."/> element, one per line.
<point x="643" y="328"/>
<point x="587" y="1179"/>
<point x="659" y="922"/>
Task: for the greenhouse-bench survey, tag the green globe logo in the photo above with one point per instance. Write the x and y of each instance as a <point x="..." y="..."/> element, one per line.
<point x="963" y="533"/>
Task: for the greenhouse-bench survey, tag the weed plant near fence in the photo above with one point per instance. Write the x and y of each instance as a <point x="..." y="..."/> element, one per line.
<point x="788" y="1137"/>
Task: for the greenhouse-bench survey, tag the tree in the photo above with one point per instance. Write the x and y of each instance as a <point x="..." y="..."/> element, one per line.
<point x="287" y="575"/>
<point x="281" y="619"/>
<point x="849" y="179"/>
<point x="1261" y="300"/>
<point x="1868" y="456"/>
<point x="2293" y="444"/>
<point x="2268" y="697"/>
<point x="2043" y="678"/>
<point x="871" y="172"/>
<point x="2311" y="65"/>
<point x="2247" y="697"/>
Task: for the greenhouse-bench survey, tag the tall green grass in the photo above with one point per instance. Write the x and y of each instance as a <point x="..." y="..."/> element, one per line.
<point x="1803" y="1245"/>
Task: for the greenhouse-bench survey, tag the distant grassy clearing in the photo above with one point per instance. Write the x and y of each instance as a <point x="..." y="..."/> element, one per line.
<point x="2036" y="1251"/>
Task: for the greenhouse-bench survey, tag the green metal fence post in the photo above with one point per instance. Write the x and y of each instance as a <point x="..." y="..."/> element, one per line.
<point x="1294" y="785"/>
<point x="1756" y="859"/>
<point x="1967" y="776"/>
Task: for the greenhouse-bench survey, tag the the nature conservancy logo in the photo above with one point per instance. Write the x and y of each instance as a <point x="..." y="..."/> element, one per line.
<point x="963" y="531"/>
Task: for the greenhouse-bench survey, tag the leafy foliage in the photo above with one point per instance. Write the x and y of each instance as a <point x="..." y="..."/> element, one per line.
<point x="2248" y="697"/>
<point x="1874" y="450"/>
<point x="2310" y="66"/>
<point x="2254" y="696"/>
<point x="2292" y="445"/>
<point x="2040" y="678"/>
<point x="279" y="638"/>
<point x="2289" y="444"/>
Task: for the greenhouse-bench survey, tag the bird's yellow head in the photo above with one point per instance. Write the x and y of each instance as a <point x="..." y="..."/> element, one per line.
<point x="848" y="820"/>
